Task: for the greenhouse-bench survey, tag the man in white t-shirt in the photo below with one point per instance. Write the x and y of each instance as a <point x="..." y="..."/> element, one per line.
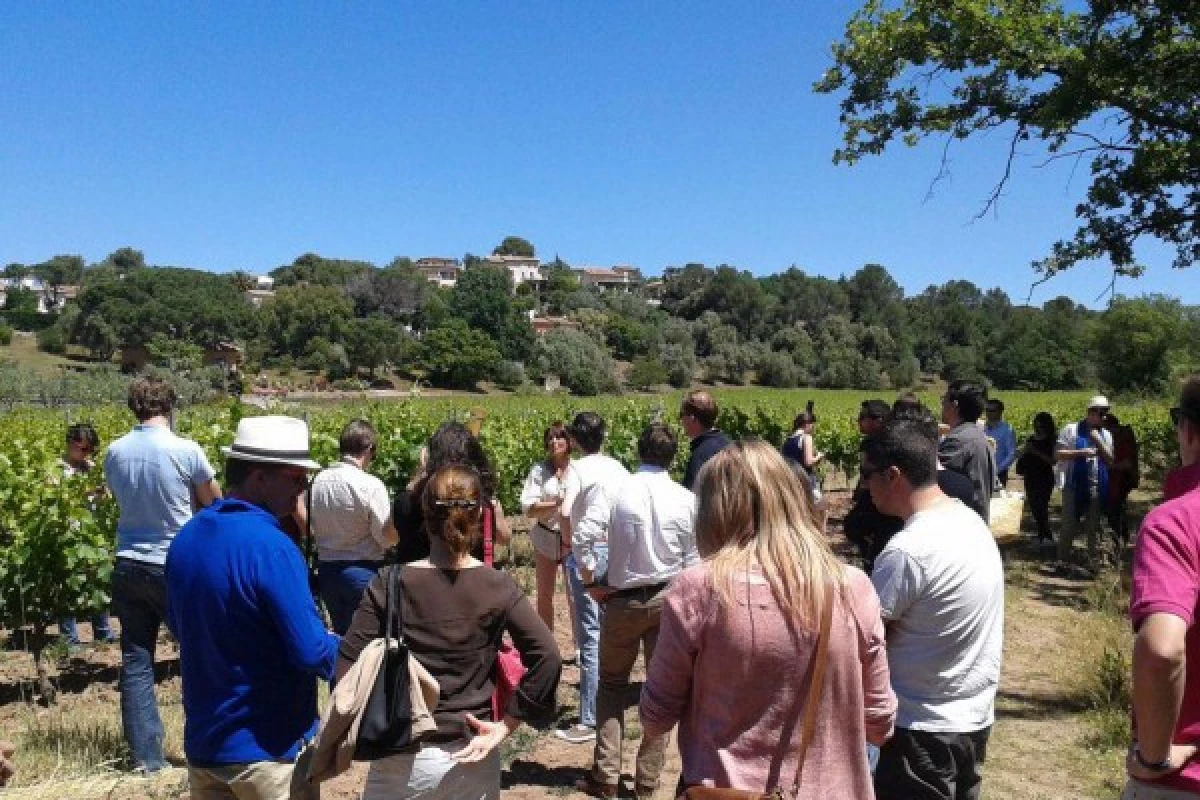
<point x="941" y="586"/>
<point x="592" y="482"/>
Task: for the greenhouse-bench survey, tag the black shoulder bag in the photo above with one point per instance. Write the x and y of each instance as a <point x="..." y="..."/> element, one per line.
<point x="386" y="725"/>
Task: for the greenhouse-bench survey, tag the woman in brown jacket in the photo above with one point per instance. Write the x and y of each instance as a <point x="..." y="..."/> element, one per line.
<point x="455" y="614"/>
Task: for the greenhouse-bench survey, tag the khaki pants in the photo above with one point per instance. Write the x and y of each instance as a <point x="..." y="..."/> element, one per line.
<point x="1071" y="524"/>
<point x="1136" y="790"/>
<point x="629" y="623"/>
<point x="258" y="780"/>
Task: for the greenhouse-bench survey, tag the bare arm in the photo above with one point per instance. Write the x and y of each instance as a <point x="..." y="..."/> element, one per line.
<point x="501" y="529"/>
<point x="811" y="456"/>
<point x="1159" y="659"/>
<point x="208" y="493"/>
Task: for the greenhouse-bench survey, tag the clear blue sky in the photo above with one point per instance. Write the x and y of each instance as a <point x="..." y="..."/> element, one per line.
<point x="238" y="136"/>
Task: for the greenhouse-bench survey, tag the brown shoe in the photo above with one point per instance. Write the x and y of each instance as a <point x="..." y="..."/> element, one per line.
<point x="590" y="786"/>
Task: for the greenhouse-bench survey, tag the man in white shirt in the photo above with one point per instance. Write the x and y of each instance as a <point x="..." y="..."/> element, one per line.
<point x="1084" y="453"/>
<point x="651" y="539"/>
<point x="351" y="519"/>
<point x="587" y="505"/>
<point x="941" y="587"/>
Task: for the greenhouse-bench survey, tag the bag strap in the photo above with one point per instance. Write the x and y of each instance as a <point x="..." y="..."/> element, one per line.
<point x="489" y="541"/>
<point x="394" y="602"/>
<point x="809" y="726"/>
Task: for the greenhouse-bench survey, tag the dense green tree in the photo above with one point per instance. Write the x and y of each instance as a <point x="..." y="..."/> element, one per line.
<point x="483" y="298"/>
<point x="1136" y="336"/>
<point x="60" y="271"/>
<point x="514" y="246"/>
<point x="457" y="356"/>
<point x="314" y="269"/>
<point x="372" y="342"/>
<point x="200" y="307"/>
<point x="646" y="373"/>
<point x="1111" y="80"/>
<point x="776" y="368"/>
<point x="21" y="301"/>
<point x="176" y="355"/>
<point x="296" y="315"/>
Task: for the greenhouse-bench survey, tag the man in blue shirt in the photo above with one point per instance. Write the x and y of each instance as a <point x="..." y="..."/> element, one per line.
<point x="251" y="642"/>
<point x="155" y="477"/>
<point x="1002" y="434"/>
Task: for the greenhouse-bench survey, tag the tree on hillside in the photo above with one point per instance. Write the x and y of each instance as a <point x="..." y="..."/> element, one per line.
<point x="21" y="301"/>
<point x="514" y="246"/>
<point x="483" y="299"/>
<point x="583" y="366"/>
<point x="192" y="305"/>
<point x="457" y="356"/>
<point x="372" y="342"/>
<point x="58" y="272"/>
<point x="314" y="269"/>
<point x="15" y="271"/>
<point x="298" y="314"/>
<point x="398" y="291"/>
<point x="1112" y="81"/>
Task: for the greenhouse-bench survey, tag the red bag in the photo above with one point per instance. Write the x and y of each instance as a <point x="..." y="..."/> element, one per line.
<point x="509" y="669"/>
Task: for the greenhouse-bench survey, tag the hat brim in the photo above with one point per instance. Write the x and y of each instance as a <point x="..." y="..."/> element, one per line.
<point x="303" y="463"/>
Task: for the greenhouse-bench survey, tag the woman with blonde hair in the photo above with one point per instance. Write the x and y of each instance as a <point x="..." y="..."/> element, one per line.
<point x="453" y="615"/>
<point x="737" y="648"/>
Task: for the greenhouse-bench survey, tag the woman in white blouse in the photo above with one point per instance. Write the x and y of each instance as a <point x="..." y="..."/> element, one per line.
<point x="541" y="499"/>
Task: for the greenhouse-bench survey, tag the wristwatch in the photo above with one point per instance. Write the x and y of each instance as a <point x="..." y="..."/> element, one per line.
<point x="1161" y="766"/>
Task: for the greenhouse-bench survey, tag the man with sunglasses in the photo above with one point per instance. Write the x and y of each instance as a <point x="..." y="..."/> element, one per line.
<point x="351" y="523"/>
<point x="941" y="590"/>
<point x="251" y="644"/>
<point x="1084" y="453"/>
<point x="1163" y="607"/>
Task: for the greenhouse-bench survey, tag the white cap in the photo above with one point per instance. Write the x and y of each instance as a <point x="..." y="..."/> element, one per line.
<point x="1098" y="401"/>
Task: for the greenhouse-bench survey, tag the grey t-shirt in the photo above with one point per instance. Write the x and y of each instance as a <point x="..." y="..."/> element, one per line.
<point x="941" y="587"/>
<point x="965" y="450"/>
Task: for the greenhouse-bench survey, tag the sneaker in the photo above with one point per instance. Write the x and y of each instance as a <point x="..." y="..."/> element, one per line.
<point x="576" y="734"/>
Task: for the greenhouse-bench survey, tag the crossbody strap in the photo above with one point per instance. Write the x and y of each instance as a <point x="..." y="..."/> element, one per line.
<point x="393" y="603"/>
<point x="820" y="661"/>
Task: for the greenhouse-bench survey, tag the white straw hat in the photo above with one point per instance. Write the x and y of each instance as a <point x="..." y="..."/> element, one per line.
<point x="272" y="440"/>
<point x="1098" y="401"/>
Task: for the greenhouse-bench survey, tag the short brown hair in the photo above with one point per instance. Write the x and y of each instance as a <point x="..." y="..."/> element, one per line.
<point x="701" y="406"/>
<point x="657" y="446"/>
<point x="358" y="437"/>
<point x="150" y="397"/>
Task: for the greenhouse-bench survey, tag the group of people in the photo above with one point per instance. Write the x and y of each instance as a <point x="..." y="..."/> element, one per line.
<point x="779" y="665"/>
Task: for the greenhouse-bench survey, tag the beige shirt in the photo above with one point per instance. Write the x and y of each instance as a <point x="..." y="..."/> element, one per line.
<point x="350" y="514"/>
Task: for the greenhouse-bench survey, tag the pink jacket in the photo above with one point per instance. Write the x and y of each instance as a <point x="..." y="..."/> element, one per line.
<point x="736" y="680"/>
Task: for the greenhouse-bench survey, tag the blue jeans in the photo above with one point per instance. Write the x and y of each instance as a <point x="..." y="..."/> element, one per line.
<point x="342" y="585"/>
<point x="101" y="629"/>
<point x="587" y="634"/>
<point x="139" y="599"/>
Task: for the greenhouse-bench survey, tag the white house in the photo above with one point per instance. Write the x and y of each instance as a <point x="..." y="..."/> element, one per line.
<point x="523" y="269"/>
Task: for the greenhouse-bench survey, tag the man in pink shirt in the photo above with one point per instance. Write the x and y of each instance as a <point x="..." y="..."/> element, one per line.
<point x="1166" y="654"/>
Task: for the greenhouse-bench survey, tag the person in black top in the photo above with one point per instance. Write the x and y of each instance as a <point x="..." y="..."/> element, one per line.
<point x="452" y="443"/>
<point x="951" y="483"/>
<point x="698" y="415"/>
<point x="863" y="523"/>
<point x="1036" y="465"/>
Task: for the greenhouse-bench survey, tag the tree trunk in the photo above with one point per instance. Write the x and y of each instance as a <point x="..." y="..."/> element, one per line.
<point x="37" y="648"/>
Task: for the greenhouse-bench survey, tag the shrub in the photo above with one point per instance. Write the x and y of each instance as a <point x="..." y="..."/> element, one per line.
<point x="52" y="340"/>
<point x="778" y="369"/>
<point x="509" y="374"/>
<point x="6" y="334"/>
<point x="646" y="373"/>
<point x="457" y="356"/>
<point x="583" y="366"/>
<point x="680" y="362"/>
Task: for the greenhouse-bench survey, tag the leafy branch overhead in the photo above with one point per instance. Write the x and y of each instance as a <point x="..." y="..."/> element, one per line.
<point x="1116" y="82"/>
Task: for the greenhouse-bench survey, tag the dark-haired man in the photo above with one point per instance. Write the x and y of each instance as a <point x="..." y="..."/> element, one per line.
<point x="1162" y="607"/>
<point x="251" y="644"/>
<point x="941" y="587"/>
<point x="153" y="475"/>
<point x="351" y="523"/>
<point x="651" y="539"/>
<point x="965" y="448"/>
<point x="698" y="416"/>
<point x="866" y="528"/>
<point x="591" y="484"/>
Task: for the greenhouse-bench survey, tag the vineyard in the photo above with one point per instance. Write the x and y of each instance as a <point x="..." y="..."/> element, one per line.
<point x="56" y="534"/>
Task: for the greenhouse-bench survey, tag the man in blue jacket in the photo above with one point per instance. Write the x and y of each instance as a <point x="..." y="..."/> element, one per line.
<point x="251" y="643"/>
